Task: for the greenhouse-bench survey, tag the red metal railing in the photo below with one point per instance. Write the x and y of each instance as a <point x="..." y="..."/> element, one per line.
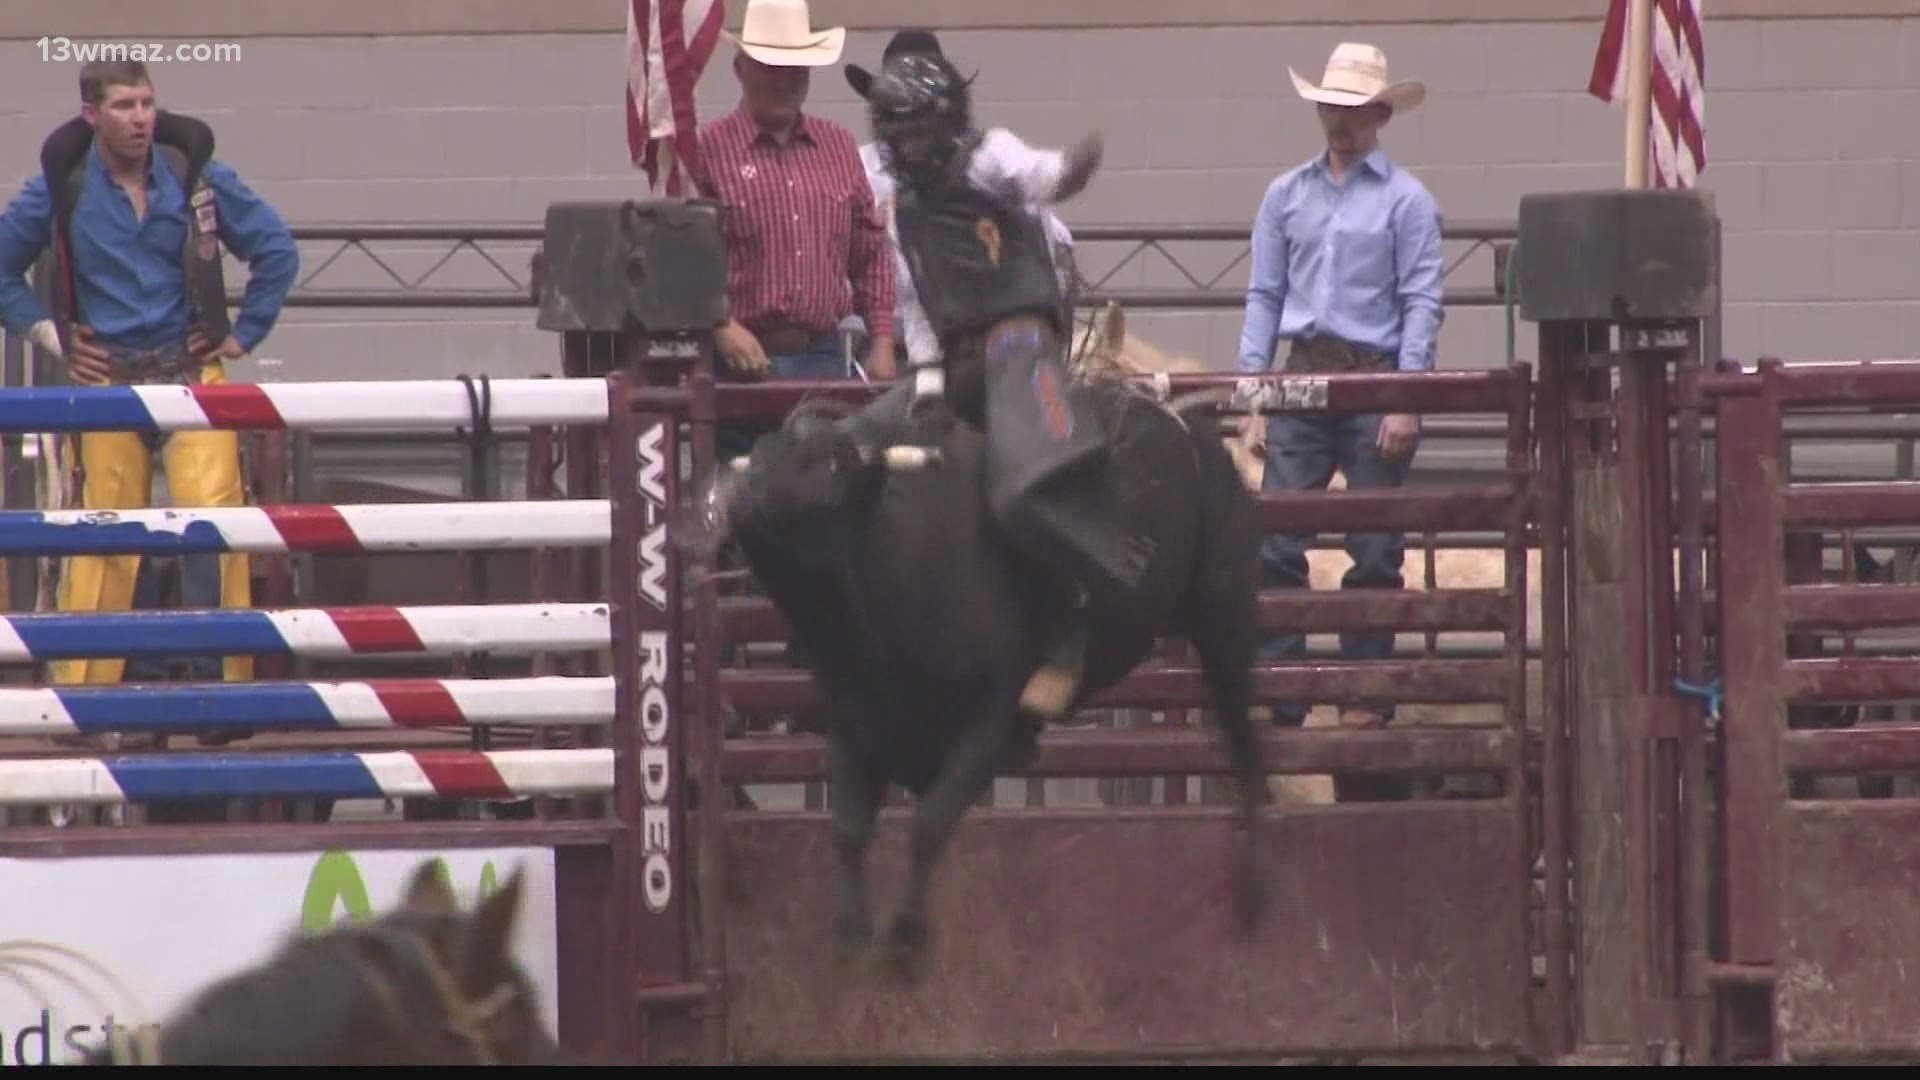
<point x="1813" y="888"/>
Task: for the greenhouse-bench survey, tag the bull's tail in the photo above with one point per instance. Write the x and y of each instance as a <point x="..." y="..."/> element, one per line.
<point x="1187" y="407"/>
<point x="1222" y="621"/>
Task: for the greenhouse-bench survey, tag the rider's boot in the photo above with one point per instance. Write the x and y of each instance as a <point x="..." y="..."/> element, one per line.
<point x="1046" y="449"/>
<point x="1050" y="691"/>
<point x="1040" y="430"/>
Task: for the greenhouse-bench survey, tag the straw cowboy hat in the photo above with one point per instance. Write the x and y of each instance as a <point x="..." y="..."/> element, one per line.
<point x="1357" y="75"/>
<point x="778" y="32"/>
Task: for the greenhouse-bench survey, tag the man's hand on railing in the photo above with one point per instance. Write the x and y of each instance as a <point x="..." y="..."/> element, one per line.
<point x="740" y="350"/>
<point x="1250" y="392"/>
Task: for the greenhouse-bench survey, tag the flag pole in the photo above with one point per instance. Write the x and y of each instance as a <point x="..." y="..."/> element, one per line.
<point x="1639" y="90"/>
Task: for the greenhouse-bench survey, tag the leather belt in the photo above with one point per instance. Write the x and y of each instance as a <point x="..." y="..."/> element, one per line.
<point x="166" y="364"/>
<point x="1333" y="354"/>
<point x="781" y="337"/>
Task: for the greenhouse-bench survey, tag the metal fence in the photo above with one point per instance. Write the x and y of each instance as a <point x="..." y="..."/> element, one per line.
<point x="1200" y="258"/>
<point x="1203" y="274"/>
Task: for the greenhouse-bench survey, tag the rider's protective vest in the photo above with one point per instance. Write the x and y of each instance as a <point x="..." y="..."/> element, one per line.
<point x="974" y="261"/>
<point x="186" y="144"/>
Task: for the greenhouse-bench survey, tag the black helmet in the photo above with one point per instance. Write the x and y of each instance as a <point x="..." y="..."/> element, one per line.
<point x="902" y="43"/>
<point x="920" y="109"/>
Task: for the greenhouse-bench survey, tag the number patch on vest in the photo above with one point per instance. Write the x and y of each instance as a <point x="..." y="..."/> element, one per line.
<point x="206" y="223"/>
<point x="989" y="235"/>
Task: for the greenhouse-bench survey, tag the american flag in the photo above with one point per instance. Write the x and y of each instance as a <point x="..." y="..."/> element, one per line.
<point x="1677" y="106"/>
<point x="668" y="45"/>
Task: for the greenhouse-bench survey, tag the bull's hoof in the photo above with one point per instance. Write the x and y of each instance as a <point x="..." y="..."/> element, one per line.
<point x="1249" y="892"/>
<point x="851" y="937"/>
<point x="1249" y="904"/>
<point x="906" y="951"/>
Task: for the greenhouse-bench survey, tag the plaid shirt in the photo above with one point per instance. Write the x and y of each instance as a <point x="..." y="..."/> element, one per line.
<point x="805" y="244"/>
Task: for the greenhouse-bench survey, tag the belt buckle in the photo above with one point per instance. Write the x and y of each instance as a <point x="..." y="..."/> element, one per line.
<point x="158" y="366"/>
<point x="782" y="337"/>
<point x="1334" y="355"/>
<point x="1318" y="355"/>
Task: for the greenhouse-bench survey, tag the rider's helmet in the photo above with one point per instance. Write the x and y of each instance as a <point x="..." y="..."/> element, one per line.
<point x="921" y="113"/>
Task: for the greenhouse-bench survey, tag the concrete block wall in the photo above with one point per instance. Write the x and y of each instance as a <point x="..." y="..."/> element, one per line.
<point x="1813" y="153"/>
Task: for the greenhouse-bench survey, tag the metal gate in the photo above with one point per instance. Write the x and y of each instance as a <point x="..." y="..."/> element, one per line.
<point x="1102" y="932"/>
<point x="1645" y="879"/>
<point x="1816" y="880"/>
<point x="1728" y="900"/>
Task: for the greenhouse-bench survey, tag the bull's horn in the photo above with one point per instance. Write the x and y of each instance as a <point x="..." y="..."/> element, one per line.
<point x="1214" y="397"/>
<point x="716" y="502"/>
<point x="909" y="458"/>
<point x="902" y="458"/>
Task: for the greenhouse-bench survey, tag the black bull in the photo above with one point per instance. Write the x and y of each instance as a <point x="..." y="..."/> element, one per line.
<point x="922" y="625"/>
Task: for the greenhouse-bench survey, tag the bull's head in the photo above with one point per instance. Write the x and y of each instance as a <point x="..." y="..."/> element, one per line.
<point x="805" y="484"/>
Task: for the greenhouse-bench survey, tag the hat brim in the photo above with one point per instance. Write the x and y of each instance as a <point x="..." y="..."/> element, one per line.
<point x="859" y="78"/>
<point x="1401" y="96"/>
<point x="823" y="50"/>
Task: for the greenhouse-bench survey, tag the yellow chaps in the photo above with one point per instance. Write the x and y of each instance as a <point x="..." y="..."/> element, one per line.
<point x="203" y="469"/>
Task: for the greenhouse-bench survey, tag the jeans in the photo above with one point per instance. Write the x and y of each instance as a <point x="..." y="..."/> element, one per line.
<point x="199" y="581"/>
<point x="820" y="362"/>
<point x="1302" y="452"/>
<point x="823" y="361"/>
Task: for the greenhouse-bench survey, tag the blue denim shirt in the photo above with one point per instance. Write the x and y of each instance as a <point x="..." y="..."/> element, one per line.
<point x="1359" y="260"/>
<point x="131" y="288"/>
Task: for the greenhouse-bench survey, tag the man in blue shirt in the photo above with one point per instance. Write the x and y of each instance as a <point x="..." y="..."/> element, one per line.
<point x="1346" y="265"/>
<point x="137" y="251"/>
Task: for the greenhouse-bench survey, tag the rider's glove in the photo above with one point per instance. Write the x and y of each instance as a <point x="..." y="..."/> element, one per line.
<point x="929" y="386"/>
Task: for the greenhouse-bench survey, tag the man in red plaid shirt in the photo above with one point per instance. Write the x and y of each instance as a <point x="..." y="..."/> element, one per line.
<point x="806" y="246"/>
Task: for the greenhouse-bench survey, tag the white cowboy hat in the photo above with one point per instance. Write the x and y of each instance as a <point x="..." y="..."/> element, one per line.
<point x="1356" y="75"/>
<point x="778" y="32"/>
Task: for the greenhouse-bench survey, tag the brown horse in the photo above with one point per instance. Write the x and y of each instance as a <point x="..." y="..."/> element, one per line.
<point x="425" y="984"/>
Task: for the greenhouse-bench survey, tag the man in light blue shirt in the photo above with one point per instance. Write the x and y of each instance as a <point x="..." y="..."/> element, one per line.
<point x="1346" y="266"/>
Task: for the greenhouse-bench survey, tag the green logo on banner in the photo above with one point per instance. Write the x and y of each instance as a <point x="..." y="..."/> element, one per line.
<point x="335" y="882"/>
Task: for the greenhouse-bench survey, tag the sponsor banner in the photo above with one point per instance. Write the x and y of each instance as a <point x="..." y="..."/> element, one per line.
<point x="169" y="926"/>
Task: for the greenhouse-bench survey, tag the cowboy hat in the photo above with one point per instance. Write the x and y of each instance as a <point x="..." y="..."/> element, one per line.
<point x="903" y="43"/>
<point x="1357" y="75"/>
<point x="777" y="32"/>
